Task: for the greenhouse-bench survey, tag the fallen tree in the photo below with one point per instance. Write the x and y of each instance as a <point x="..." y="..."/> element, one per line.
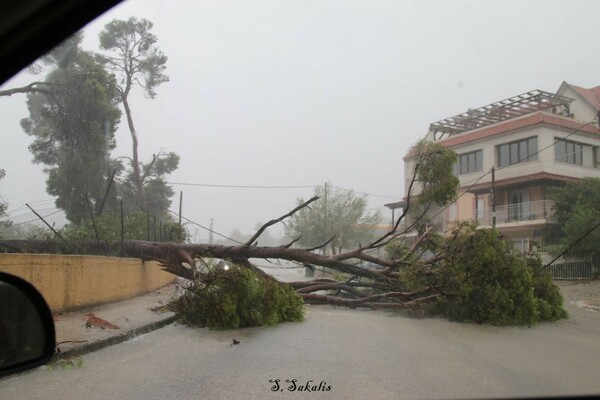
<point x="406" y="280"/>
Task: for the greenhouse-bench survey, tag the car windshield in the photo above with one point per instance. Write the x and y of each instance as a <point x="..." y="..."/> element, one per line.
<point x="227" y="199"/>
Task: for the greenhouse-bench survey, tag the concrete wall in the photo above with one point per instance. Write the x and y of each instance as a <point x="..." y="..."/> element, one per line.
<point x="69" y="282"/>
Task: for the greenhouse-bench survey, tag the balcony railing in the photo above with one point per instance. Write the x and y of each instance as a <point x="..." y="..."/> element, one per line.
<point x="528" y="211"/>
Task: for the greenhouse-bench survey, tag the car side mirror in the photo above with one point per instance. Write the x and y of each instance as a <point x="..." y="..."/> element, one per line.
<point x="27" y="335"/>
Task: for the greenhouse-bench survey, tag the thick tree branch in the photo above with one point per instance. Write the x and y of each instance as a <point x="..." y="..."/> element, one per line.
<point x="366" y="302"/>
<point x="34" y="87"/>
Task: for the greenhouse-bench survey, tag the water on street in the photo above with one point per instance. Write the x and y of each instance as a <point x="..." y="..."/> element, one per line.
<point x="337" y="353"/>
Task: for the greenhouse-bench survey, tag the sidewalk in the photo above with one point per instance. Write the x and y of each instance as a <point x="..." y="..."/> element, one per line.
<point x="97" y="327"/>
<point x="79" y="332"/>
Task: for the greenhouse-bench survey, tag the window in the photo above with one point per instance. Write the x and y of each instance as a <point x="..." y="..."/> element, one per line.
<point x="453" y="212"/>
<point x="469" y="162"/>
<point x="568" y="151"/>
<point x="517" y="152"/>
<point x="519" y="207"/>
<point x="480" y="209"/>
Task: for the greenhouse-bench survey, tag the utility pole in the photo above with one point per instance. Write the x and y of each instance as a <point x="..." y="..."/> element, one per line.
<point x="180" y="204"/>
<point x="120" y="200"/>
<point x="155" y="237"/>
<point x="493" y="192"/>
<point x="341" y="233"/>
<point x="210" y="233"/>
<point x="325" y="217"/>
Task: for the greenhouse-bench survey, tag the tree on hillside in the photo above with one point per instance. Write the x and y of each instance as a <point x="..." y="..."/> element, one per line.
<point x="340" y="218"/>
<point x="73" y="130"/>
<point x="577" y="210"/>
<point x="131" y="52"/>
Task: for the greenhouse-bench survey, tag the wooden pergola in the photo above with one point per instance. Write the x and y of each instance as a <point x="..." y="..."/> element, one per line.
<point x="526" y="103"/>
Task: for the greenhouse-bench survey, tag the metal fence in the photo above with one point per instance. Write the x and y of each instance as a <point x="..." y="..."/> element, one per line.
<point x="573" y="270"/>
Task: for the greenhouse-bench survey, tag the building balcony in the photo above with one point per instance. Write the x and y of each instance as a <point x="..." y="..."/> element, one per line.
<point x="519" y="214"/>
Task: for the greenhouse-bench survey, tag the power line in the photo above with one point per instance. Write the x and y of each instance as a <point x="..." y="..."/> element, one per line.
<point x="182" y="217"/>
<point x="274" y="187"/>
<point x="579" y="239"/>
<point x="239" y="186"/>
<point x="366" y="193"/>
<point x="203" y="227"/>
<point x="236" y="201"/>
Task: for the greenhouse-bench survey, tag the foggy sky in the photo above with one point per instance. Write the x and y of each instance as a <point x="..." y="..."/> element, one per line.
<point x="297" y="93"/>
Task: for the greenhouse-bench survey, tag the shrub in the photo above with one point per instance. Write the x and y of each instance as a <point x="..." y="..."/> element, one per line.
<point x="108" y="227"/>
<point x="236" y="298"/>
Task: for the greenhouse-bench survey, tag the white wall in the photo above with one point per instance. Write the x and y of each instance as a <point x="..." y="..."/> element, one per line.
<point x="580" y="108"/>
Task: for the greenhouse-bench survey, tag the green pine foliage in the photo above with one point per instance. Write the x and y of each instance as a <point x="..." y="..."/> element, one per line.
<point x="236" y="298"/>
<point x="482" y="282"/>
<point x="547" y="294"/>
<point x="73" y="127"/>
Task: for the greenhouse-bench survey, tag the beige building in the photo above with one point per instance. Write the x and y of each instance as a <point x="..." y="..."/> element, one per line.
<point x="521" y="147"/>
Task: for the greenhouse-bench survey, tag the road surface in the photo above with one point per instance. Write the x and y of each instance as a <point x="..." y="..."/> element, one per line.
<point x="341" y="354"/>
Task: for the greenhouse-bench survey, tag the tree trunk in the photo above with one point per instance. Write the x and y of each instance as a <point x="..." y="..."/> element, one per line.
<point x="139" y="186"/>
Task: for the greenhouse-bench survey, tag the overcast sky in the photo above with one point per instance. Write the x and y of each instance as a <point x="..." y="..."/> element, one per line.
<point x="296" y="93"/>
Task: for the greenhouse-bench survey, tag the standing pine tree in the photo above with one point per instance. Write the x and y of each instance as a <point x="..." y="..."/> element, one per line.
<point x="73" y="128"/>
<point x="132" y="54"/>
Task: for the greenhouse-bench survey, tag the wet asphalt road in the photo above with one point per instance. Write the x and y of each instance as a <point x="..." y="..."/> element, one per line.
<point x="355" y="354"/>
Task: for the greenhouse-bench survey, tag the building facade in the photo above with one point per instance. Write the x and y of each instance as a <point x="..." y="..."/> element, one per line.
<point x="512" y="153"/>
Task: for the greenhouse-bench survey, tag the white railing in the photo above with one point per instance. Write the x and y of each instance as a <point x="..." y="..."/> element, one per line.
<point x="573" y="270"/>
<point x="528" y="211"/>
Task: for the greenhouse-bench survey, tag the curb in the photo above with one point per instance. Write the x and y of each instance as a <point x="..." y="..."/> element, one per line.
<point x="120" y="338"/>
